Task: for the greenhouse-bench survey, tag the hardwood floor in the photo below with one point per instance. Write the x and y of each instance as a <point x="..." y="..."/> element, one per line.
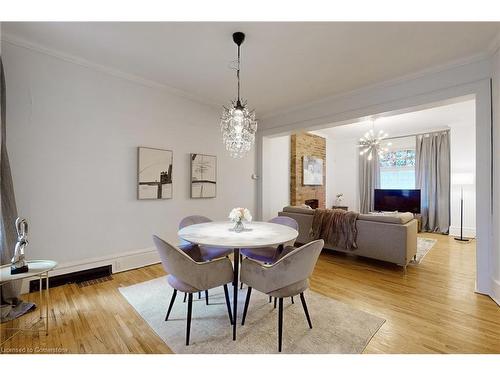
<point x="431" y="309"/>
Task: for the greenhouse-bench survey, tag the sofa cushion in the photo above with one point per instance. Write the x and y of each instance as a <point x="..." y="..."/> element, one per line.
<point x="299" y="209"/>
<point x="391" y="218"/>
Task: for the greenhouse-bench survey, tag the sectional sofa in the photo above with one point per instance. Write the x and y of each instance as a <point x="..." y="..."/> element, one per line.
<point x="387" y="237"/>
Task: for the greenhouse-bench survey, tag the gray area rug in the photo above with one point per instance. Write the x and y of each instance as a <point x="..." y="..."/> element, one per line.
<point x="424" y="245"/>
<point x="337" y="327"/>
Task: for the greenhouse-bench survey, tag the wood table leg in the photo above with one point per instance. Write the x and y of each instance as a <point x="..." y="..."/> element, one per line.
<point x="235" y="289"/>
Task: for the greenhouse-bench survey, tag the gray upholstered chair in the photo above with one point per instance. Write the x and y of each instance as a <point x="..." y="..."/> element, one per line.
<point x="200" y="253"/>
<point x="270" y="254"/>
<point x="189" y="276"/>
<point x="287" y="277"/>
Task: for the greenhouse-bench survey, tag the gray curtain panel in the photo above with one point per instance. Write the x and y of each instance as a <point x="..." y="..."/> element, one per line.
<point x="369" y="180"/>
<point x="12" y="306"/>
<point x="432" y="177"/>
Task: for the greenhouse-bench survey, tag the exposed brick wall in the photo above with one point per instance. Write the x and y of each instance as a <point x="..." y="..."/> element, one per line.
<point x="305" y="144"/>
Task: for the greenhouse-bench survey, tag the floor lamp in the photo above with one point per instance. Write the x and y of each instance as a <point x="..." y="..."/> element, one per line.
<point x="462" y="179"/>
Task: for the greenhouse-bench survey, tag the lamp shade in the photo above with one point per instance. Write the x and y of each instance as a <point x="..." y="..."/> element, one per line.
<point x="462" y="179"/>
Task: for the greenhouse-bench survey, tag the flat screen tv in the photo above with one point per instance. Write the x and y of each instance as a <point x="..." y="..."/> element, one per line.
<point x="402" y="200"/>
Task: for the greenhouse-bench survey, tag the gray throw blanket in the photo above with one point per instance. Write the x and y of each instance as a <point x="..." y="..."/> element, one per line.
<point x="335" y="227"/>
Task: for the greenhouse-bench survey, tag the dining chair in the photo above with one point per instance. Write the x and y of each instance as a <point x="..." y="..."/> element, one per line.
<point x="189" y="276"/>
<point x="270" y="254"/>
<point x="200" y="253"/>
<point x="287" y="277"/>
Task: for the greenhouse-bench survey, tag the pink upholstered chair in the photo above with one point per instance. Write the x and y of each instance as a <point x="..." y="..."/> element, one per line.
<point x="271" y="254"/>
<point x="200" y="253"/>
<point x="287" y="277"/>
<point x="189" y="276"/>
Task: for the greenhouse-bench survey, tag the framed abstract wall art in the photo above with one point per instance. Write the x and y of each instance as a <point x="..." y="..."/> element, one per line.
<point x="312" y="173"/>
<point x="203" y="176"/>
<point x="154" y="173"/>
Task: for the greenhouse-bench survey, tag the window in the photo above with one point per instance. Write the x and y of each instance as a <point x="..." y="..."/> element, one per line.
<point x="397" y="169"/>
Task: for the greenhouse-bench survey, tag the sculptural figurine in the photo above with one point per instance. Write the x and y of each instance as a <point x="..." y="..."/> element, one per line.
<point x="19" y="264"/>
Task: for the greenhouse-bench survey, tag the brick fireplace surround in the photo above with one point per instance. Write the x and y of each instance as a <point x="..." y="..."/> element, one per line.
<point x="306" y="144"/>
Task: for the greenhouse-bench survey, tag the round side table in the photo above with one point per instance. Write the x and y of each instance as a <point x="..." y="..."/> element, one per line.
<point x="36" y="269"/>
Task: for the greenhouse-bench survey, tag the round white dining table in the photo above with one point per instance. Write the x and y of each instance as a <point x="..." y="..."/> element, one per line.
<point x="221" y="234"/>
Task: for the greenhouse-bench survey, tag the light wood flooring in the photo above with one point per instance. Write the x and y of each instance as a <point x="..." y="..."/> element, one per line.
<point x="431" y="309"/>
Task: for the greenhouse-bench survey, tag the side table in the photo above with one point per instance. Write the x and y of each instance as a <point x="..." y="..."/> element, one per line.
<point x="36" y="268"/>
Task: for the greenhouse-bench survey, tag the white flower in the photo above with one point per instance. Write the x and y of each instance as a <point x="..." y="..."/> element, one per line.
<point x="246" y="215"/>
<point x="239" y="213"/>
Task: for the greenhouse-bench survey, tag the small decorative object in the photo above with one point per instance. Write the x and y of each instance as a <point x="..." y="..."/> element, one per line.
<point x="203" y="176"/>
<point x="339" y="198"/>
<point x="237" y="216"/>
<point x="154" y="173"/>
<point x="371" y="143"/>
<point x="312" y="170"/>
<point x="18" y="261"/>
<point x="238" y="124"/>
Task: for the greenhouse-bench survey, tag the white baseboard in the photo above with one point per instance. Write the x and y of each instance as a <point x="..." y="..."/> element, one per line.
<point x="119" y="263"/>
<point x="495" y="291"/>
<point x="468" y="232"/>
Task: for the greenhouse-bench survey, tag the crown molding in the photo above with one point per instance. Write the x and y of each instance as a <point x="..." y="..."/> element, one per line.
<point x="23" y="43"/>
<point x="385" y="84"/>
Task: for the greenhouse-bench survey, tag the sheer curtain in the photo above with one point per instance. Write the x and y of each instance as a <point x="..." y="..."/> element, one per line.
<point x="369" y="180"/>
<point x="12" y="307"/>
<point x="432" y="177"/>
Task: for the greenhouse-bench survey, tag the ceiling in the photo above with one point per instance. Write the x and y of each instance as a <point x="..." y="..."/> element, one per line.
<point x="436" y="118"/>
<point x="283" y="64"/>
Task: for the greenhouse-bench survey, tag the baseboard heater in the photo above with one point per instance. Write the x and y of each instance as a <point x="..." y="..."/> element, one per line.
<point x="73" y="277"/>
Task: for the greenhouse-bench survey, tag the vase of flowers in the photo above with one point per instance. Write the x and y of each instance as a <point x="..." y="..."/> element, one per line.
<point x="339" y="198"/>
<point x="237" y="216"/>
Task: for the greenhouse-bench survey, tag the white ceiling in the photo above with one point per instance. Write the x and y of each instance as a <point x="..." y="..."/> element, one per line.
<point x="436" y="118"/>
<point x="284" y="64"/>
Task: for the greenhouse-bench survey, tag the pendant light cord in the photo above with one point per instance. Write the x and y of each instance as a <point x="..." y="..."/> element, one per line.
<point x="238" y="73"/>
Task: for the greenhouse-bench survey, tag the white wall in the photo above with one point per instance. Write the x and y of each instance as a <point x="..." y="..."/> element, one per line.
<point x="463" y="160"/>
<point x="495" y="256"/>
<point x="72" y="137"/>
<point x="342" y="176"/>
<point x="276" y="175"/>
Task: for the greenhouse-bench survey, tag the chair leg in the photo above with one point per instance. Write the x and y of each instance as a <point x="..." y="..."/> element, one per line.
<point x="241" y="260"/>
<point x="228" y="304"/>
<point x="303" y="300"/>
<point x="280" y="323"/>
<point x="206" y="297"/>
<point x="249" y="292"/>
<point x="274" y="302"/>
<point x="270" y="299"/>
<point x="185" y="295"/>
<point x="190" y="310"/>
<point x="292" y="300"/>
<point x="171" y="304"/>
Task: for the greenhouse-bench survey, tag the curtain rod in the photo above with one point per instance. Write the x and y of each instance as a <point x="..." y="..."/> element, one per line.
<point x="417" y="134"/>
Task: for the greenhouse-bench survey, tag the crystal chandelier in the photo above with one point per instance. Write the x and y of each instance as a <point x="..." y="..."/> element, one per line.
<point x="238" y="124"/>
<point x="371" y="143"/>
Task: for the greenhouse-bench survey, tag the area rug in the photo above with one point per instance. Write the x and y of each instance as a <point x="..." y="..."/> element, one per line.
<point x="337" y="327"/>
<point x="424" y="245"/>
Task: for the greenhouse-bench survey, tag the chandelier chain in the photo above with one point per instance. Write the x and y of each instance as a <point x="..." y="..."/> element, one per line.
<point x="238" y="73"/>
